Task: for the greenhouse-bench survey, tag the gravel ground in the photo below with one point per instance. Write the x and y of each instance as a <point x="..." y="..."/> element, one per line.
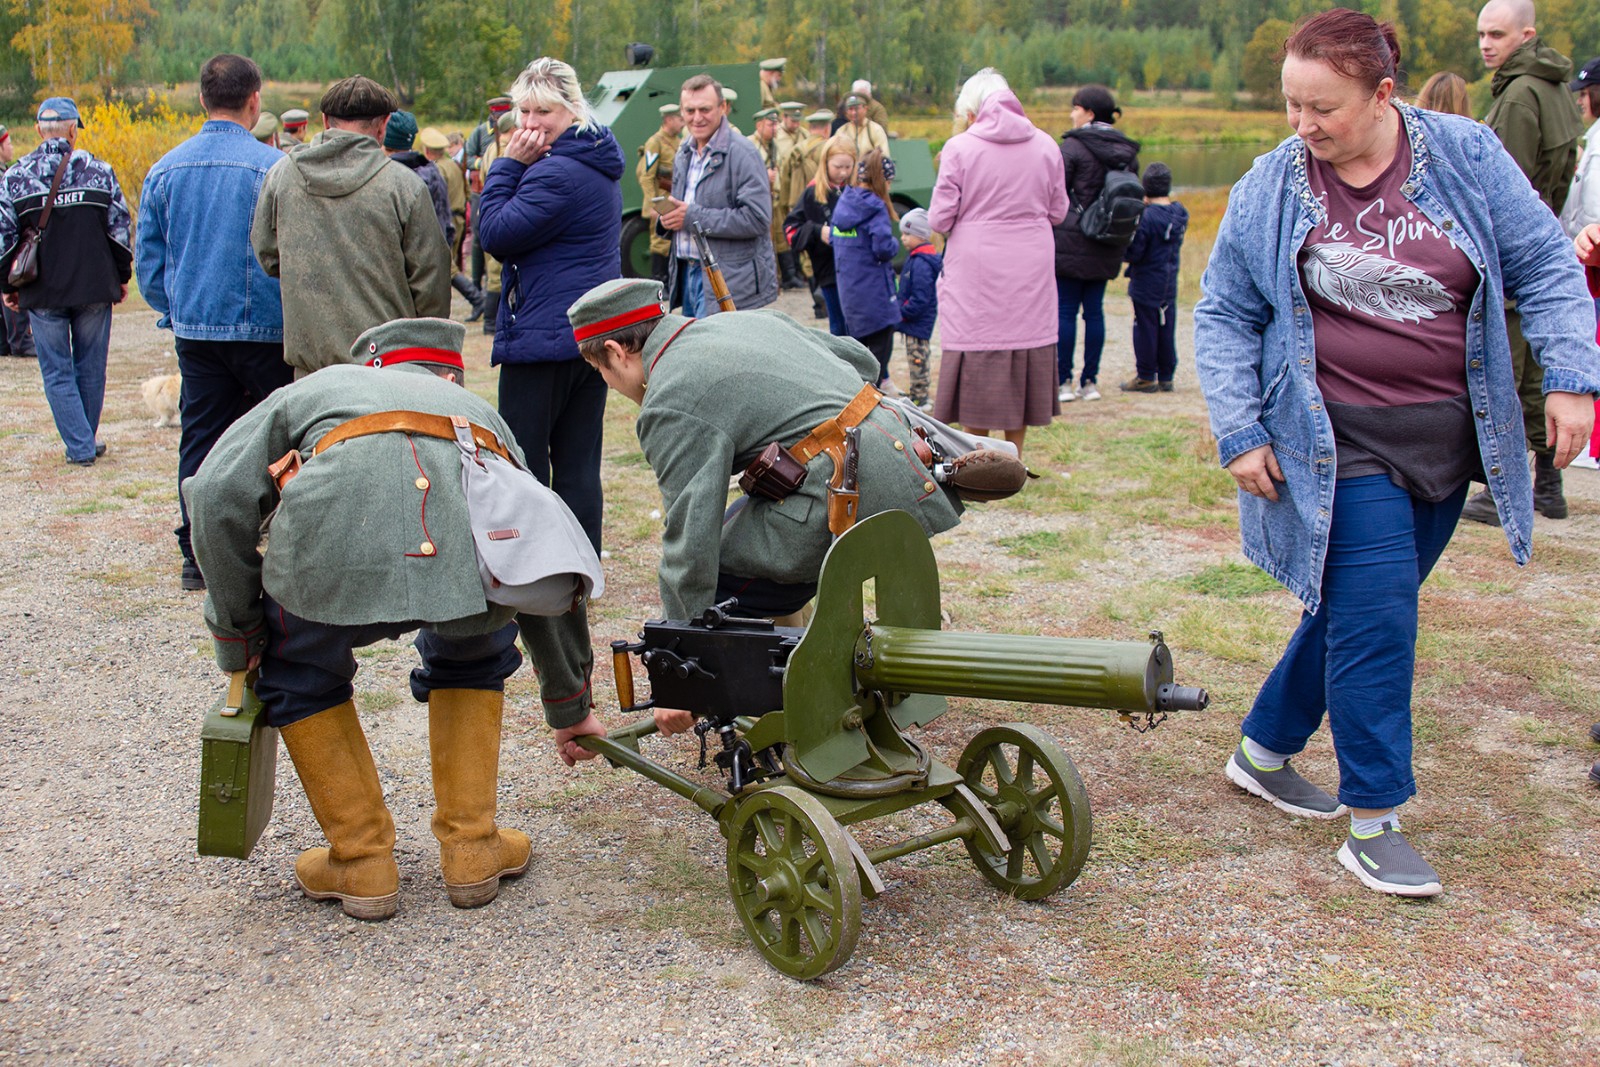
<point x="1202" y="931"/>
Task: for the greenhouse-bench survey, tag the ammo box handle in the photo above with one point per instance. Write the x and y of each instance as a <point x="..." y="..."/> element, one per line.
<point x="235" y="702"/>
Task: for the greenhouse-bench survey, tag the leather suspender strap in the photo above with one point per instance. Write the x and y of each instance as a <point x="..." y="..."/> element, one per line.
<point x="829" y="436"/>
<point x="408" y="422"/>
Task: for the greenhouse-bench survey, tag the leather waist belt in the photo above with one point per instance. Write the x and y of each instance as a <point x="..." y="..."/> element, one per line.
<point x="440" y="426"/>
<point x="829" y="436"/>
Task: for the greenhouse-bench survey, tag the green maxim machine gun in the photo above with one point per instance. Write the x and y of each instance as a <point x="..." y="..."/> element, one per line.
<point x="810" y="727"/>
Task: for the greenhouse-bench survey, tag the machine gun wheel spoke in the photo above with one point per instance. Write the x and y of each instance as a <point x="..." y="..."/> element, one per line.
<point x="1033" y="790"/>
<point x="793" y="881"/>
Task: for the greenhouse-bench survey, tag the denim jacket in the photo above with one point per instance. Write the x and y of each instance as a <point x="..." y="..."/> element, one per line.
<point x="193" y="255"/>
<point x="1254" y="343"/>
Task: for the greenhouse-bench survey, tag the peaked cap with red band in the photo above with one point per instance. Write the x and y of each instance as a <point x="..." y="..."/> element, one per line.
<point x="613" y="305"/>
<point x="436" y="341"/>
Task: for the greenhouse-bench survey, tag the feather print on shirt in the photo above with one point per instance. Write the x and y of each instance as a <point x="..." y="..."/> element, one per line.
<point x="1345" y="276"/>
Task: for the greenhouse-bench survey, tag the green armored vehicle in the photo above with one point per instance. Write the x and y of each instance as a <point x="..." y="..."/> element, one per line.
<point x="629" y="101"/>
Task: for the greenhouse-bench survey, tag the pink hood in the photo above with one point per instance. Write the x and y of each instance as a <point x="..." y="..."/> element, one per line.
<point x="1001" y="120"/>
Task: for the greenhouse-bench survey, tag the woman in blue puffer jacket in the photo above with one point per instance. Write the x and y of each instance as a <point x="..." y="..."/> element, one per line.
<point x="864" y="248"/>
<point x="552" y="214"/>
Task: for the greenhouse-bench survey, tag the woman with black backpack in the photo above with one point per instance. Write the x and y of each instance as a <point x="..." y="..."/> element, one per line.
<point x="1091" y="150"/>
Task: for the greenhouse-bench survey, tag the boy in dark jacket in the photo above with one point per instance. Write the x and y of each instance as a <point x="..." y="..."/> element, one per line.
<point x="919" y="298"/>
<point x="1153" y="284"/>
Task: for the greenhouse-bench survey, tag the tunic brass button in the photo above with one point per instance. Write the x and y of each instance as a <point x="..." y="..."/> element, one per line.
<point x="422" y="483"/>
<point x="899" y="446"/>
<point x="427" y="548"/>
<point x="928" y="487"/>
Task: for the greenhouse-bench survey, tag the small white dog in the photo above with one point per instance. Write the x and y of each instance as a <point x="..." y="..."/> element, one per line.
<point x="161" y="397"/>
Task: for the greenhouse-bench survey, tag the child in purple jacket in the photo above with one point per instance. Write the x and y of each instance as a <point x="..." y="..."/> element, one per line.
<point x="1152" y="261"/>
<point x="919" y="298"/>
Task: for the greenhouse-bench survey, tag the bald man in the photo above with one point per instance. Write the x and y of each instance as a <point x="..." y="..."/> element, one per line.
<point x="1537" y="120"/>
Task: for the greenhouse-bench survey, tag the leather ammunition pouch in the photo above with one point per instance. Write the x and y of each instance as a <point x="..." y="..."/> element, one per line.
<point x="774" y="474"/>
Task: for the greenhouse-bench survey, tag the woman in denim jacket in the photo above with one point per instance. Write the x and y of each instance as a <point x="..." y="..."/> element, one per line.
<point x="1355" y="361"/>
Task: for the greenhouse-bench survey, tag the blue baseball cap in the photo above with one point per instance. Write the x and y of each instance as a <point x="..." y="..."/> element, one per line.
<point x="59" y="109"/>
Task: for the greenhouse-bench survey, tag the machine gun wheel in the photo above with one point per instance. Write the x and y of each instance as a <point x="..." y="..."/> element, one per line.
<point x="793" y="881"/>
<point x="1034" y="792"/>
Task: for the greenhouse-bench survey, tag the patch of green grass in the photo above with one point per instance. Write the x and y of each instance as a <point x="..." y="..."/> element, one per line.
<point x="378" y="700"/>
<point x="1114" y="1050"/>
<point x="1126" y="839"/>
<point x="92" y="507"/>
<point x="1231" y="581"/>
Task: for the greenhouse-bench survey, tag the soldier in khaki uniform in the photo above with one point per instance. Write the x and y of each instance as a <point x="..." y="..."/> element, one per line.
<point x="789" y="132"/>
<point x="654" y="171"/>
<point x="294" y="127"/>
<point x="799" y="169"/>
<point x="766" y="141"/>
<point x="504" y="125"/>
<point x="436" y="146"/>
<point x="372" y="539"/>
<point x="771" y="78"/>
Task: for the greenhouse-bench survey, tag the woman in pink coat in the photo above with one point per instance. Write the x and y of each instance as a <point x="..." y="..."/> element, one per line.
<point x="1000" y="190"/>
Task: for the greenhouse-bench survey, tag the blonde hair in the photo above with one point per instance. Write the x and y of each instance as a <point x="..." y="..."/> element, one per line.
<point x="836" y="146"/>
<point x="1445" y="92"/>
<point x="977" y="89"/>
<point x="872" y="163"/>
<point x="548" y="82"/>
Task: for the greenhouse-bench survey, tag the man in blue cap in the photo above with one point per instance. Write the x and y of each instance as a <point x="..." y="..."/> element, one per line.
<point x="85" y="257"/>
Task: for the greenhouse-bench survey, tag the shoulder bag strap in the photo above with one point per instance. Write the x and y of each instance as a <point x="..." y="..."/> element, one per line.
<point x="55" y="187"/>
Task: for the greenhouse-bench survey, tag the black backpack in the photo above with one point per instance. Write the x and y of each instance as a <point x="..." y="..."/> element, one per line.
<point x="1113" y="216"/>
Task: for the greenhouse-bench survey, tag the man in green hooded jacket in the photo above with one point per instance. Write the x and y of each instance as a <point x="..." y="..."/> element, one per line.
<point x="1537" y="121"/>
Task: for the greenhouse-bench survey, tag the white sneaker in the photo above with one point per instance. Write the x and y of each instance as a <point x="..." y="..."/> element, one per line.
<point x="1588" y="462"/>
<point x="1066" y="396"/>
<point x="1087" y="391"/>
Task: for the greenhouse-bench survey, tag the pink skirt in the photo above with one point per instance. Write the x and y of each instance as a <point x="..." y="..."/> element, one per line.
<point x="1002" y="389"/>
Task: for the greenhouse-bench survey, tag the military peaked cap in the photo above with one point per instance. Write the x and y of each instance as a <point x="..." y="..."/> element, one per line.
<point x="765" y="113"/>
<point x="411" y="341"/>
<point x="613" y="305"/>
<point x="431" y="137"/>
<point x="791" y="105"/>
<point x="774" y="64"/>
<point x="265" y="127"/>
<point x="669" y="109"/>
<point x="295" y="116"/>
<point x="820" y="116"/>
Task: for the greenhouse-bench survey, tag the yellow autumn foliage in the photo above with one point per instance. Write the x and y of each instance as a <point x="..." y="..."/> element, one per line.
<point x="131" y="137"/>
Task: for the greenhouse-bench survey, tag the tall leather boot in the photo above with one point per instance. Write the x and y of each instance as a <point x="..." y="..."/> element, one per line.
<point x="463" y="285"/>
<point x="491" y="309"/>
<point x="1481" y="508"/>
<point x="789" y="271"/>
<point x="1548" y="500"/>
<point x="330" y="752"/>
<point x="464" y="742"/>
<point x="819" y="306"/>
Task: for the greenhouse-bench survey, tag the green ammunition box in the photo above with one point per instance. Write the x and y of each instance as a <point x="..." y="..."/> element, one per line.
<point x="238" y="771"/>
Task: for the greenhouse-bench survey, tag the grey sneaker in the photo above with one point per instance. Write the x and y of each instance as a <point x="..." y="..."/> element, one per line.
<point x="1387" y="862"/>
<point x="1283" y="788"/>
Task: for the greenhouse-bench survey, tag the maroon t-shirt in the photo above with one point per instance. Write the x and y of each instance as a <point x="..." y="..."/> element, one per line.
<point x="1389" y="293"/>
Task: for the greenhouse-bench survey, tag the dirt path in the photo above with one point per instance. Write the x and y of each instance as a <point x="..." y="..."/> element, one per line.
<point x="1203" y="929"/>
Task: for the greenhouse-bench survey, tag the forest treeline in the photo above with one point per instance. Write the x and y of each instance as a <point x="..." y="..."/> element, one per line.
<point x="446" y="56"/>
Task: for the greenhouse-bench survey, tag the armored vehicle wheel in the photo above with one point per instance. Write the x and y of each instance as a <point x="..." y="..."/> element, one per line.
<point x="793" y="881"/>
<point x="1036" y="796"/>
<point x="635" y="241"/>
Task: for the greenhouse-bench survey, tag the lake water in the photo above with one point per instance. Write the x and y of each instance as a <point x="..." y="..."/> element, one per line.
<point x="1204" y="166"/>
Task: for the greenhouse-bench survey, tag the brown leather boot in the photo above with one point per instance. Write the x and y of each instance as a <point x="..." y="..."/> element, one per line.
<point x="330" y="752"/>
<point x="464" y="742"/>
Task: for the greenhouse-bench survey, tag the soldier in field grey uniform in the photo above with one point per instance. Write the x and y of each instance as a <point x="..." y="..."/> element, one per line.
<point x="370" y="540"/>
<point x="719" y="391"/>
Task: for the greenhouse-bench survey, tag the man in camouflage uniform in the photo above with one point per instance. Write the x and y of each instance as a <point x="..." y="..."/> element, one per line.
<point x="654" y="171"/>
<point x="766" y="141"/>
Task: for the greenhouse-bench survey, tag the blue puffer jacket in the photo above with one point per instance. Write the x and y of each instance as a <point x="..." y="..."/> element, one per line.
<point x="556" y="227"/>
<point x="863" y="250"/>
<point x="919" y="291"/>
<point x="1152" y="258"/>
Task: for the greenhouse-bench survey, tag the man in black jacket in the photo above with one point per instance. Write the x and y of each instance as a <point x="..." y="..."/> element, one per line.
<point x="85" y="261"/>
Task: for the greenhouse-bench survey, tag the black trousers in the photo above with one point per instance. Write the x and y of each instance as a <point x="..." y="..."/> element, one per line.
<point x="221" y="381"/>
<point x="18" y="340"/>
<point x="1155" y="341"/>
<point x="557" y="412"/>
<point x="881" y="344"/>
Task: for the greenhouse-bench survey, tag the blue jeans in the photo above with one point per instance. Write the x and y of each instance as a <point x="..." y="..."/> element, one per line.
<point x="72" y="345"/>
<point x="830" y="298"/>
<point x="1072" y="294"/>
<point x="1354" y="660"/>
<point x="694" y="288"/>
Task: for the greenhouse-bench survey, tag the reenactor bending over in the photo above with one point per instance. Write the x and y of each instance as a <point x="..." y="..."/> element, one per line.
<point x="708" y="409"/>
<point x="372" y="539"/>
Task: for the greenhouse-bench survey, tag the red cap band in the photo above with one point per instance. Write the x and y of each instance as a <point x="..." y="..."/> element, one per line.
<point x="617" y="322"/>
<point x="417" y="355"/>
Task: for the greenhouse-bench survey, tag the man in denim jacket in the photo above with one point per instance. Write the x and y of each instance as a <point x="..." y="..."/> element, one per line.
<point x="197" y="269"/>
